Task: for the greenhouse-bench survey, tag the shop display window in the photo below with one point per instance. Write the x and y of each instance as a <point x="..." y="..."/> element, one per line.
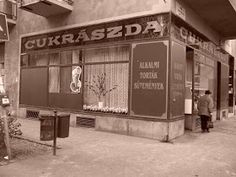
<point x="106" y="82"/>
<point x="71" y="71"/>
<point x="204" y="80"/>
<point x="200" y="70"/>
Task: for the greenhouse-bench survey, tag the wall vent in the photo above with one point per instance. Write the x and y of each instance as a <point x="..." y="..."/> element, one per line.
<point x="32" y="114"/>
<point x="85" y="122"/>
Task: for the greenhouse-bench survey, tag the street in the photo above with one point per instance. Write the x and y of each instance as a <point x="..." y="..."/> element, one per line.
<point x="89" y="153"/>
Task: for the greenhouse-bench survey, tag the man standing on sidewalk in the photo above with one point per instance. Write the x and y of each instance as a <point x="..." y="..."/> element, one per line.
<point x="205" y="105"/>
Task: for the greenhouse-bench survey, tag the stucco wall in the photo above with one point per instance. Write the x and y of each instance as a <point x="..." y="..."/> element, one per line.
<point x="85" y="11"/>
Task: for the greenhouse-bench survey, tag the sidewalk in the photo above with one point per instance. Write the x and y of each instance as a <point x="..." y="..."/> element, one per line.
<point x="90" y="153"/>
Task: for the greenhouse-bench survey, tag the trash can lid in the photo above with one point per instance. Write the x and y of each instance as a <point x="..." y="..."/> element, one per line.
<point x="63" y="115"/>
<point x="45" y="116"/>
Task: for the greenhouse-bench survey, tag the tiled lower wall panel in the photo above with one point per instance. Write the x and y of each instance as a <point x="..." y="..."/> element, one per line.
<point x="139" y="128"/>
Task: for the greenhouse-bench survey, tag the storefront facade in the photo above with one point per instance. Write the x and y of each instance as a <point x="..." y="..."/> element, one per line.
<point x="140" y="74"/>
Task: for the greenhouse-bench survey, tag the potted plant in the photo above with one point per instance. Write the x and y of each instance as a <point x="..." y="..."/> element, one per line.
<point x="98" y="86"/>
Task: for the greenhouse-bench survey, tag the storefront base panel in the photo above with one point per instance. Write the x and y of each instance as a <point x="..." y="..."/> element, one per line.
<point x="162" y="131"/>
<point x="21" y="112"/>
<point x="146" y="129"/>
<point x="110" y="124"/>
<point x="176" y="129"/>
<point x="141" y="128"/>
<point x="73" y="120"/>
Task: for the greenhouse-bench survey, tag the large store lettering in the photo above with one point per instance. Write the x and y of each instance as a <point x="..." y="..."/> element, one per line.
<point x="148" y="71"/>
<point x="98" y="34"/>
<point x="143" y="27"/>
<point x="192" y="39"/>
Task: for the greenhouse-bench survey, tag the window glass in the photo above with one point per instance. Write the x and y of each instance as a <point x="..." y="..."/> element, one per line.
<point x="65" y="74"/>
<point x="76" y="56"/>
<point x="188" y="77"/>
<point x="38" y="60"/>
<point x="54" y="59"/>
<point x="60" y="77"/>
<point x="106" y="83"/>
<point x="54" y="73"/>
<point x="66" y="57"/>
<point x="34" y="86"/>
<point x="107" y="54"/>
<point x="188" y="82"/>
<point x="204" y="80"/>
<point x="106" y="69"/>
<point x="54" y="80"/>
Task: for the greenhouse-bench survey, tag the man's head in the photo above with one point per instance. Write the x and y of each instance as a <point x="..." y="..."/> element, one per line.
<point x="207" y="92"/>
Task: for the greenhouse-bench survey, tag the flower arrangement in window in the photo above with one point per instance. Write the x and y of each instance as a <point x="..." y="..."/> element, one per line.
<point x="105" y="109"/>
<point x="98" y="86"/>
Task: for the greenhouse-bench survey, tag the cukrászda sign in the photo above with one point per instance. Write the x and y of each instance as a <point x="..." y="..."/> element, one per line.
<point x="154" y="26"/>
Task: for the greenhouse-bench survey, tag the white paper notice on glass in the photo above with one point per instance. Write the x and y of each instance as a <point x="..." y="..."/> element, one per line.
<point x="188" y="106"/>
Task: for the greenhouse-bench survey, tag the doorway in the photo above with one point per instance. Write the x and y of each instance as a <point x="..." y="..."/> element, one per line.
<point x="218" y="91"/>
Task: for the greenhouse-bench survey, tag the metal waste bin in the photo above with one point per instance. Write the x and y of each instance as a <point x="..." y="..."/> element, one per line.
<point x="63" y="125"/>
<point x="46" y="127"/>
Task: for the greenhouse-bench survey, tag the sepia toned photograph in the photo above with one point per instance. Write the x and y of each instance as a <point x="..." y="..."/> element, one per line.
<point x="117" y="88"/>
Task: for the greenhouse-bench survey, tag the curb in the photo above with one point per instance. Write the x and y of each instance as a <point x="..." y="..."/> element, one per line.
<point x="35" y="141"/>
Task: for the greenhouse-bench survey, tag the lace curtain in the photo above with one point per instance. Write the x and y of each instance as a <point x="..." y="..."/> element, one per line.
<point x="113" y="62"/>
<point x="54" y="73"/>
